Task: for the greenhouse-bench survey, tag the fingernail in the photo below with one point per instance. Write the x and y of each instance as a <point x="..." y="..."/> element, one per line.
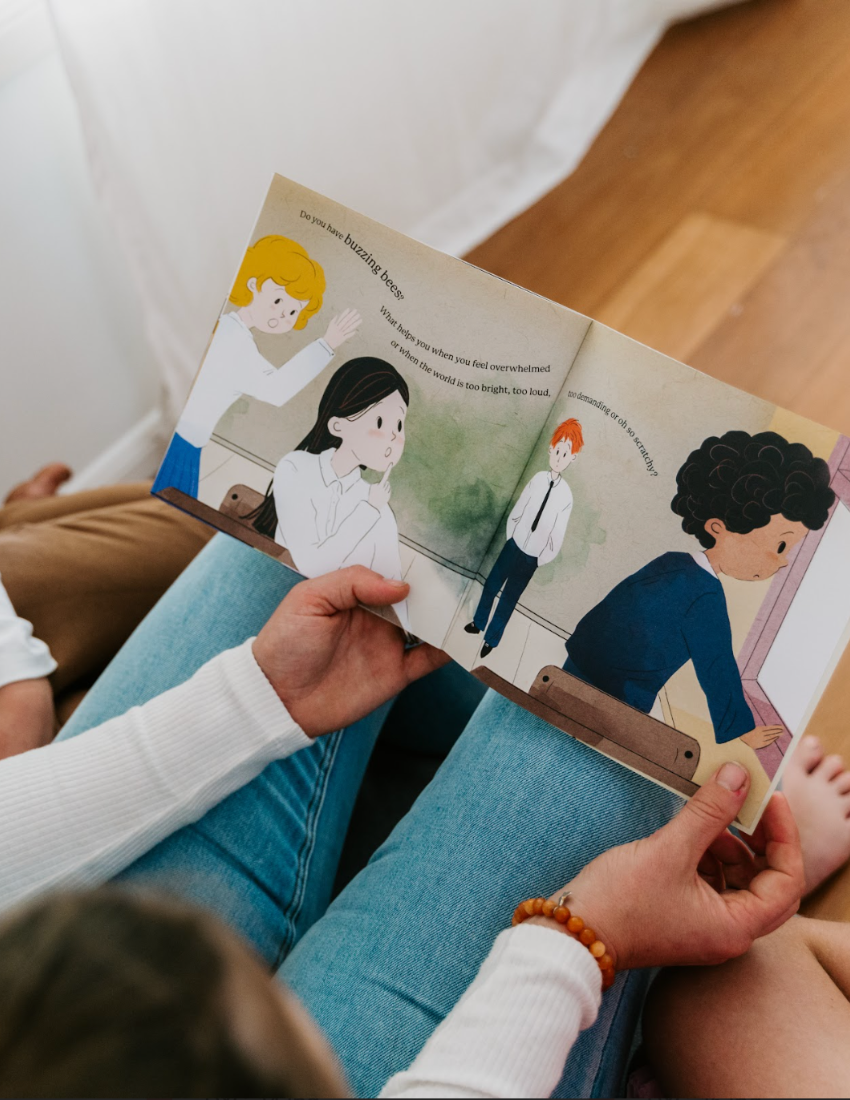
<point x="397" y="584"/>
<point x="732" y="776"/>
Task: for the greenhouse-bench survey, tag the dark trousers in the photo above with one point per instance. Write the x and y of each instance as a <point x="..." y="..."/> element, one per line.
<point x="510" y="575"/>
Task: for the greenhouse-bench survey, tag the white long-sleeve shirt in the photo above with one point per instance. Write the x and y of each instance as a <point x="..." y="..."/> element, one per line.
<point x="545" y="542"/>
<point x="22" y="656"/>
<point x="77" y="812"/>
<point x="511" y="1031"/>
<point x="233" y="366"/>
<point x="326" y="522"/>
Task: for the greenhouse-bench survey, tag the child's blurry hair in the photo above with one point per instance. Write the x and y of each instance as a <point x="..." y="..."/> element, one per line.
<point x="106" y="993"/>
<point x="286" y="263"/>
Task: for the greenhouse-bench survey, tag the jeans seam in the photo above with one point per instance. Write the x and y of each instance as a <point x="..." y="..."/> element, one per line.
<point x="611" y="1030"/>
<point x="330" y="747"/>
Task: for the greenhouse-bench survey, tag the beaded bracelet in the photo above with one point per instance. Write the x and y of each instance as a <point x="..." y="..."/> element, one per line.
<point x="557" y="910"/>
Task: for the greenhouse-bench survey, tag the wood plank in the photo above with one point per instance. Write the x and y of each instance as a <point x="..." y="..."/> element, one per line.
<point x="712" y="96"/>
<point x="687" y="285"/>
<point x="795" y="321"/>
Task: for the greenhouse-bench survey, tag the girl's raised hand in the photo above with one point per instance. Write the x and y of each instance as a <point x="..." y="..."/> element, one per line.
<point x="692" y="893"/>
<point x="330" y="661"/>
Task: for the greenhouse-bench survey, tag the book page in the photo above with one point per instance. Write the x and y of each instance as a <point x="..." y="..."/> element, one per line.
<point x="666" y="646"/>
<point x="367" y="400"/>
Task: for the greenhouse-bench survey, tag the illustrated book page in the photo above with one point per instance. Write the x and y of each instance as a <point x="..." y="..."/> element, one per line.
<point x="699" y="601"/>
<point x="649" y="559"/>
<point x="367" y="400"/>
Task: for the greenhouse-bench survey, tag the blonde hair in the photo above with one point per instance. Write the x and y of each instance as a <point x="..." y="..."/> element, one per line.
<point x="287" y="264"/>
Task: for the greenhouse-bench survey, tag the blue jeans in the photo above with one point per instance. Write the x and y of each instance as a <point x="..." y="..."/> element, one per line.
<point x="516" y="809"/>
<point x="511" y="572"/>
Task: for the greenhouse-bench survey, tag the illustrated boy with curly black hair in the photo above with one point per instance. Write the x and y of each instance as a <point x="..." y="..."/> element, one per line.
<point x="748" y="500"/>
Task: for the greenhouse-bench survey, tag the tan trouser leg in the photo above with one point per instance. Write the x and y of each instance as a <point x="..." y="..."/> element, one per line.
<point x="47" y="508"/>
<point x="85" y="579"/>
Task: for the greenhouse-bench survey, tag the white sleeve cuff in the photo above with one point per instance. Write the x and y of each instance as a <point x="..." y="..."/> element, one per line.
<point x="22" y="657"/>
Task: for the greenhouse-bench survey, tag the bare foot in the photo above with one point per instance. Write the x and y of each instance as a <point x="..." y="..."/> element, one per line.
<point x="818" y="791"/>
<point x="43" y="484"/>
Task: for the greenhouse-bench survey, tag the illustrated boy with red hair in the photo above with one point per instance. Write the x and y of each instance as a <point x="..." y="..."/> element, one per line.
<point x="535" y="531"/>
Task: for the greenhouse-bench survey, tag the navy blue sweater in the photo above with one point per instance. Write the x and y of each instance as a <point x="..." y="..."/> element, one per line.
<point x="646" y="628"/>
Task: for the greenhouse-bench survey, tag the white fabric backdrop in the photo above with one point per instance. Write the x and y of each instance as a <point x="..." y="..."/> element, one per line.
<point x="442" y="119"/>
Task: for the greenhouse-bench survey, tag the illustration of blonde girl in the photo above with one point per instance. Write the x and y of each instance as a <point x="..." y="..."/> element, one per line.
<point x="278" y="289"/>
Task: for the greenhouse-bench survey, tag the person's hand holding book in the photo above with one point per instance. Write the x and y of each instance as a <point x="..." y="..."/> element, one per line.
<point x="330" y="661"/>
<point x="692" y="893"/>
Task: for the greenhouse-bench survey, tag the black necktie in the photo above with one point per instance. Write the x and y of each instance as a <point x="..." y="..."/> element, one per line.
<point x="542" y="506"/>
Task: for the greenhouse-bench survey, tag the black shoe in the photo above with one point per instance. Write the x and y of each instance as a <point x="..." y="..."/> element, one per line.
<point x="471" y="628"/>
<point x="485" y="649"/>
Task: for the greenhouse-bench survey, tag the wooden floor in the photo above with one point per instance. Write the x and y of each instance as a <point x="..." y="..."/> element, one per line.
<point x="711" y="219"/>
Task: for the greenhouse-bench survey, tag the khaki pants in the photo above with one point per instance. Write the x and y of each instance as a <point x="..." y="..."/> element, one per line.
<point x="86" y="568"/>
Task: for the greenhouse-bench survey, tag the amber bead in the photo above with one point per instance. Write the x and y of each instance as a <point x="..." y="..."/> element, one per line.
<point x="534" y="907"/>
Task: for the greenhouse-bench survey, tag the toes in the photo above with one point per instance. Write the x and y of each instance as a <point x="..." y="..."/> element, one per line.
<point x="842" y="783"/>
<point x="809" y="753"/>
<point x="53" y="475"/>
<point x="831" y="767"/>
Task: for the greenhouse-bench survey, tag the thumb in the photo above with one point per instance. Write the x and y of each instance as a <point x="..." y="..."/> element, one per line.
<point x="345" y="589"/>
<point x="711" y="810"/>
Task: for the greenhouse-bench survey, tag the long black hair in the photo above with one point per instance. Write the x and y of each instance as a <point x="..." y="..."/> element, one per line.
<point x="355" y="387"/>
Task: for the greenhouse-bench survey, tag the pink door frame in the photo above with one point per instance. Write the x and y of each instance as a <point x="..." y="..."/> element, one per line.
<point x="775" y="607"/>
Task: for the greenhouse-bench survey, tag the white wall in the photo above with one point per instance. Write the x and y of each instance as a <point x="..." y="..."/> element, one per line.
<point x="75" y="371"/>
<point x="441" y="119"/>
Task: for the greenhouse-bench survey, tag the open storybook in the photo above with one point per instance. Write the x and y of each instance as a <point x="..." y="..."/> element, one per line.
<point x="656" y="563"/>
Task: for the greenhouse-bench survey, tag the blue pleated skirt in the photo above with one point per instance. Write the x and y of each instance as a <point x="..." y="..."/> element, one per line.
<point x="180" y="468"/>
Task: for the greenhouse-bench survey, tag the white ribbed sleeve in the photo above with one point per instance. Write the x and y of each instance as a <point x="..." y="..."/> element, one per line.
<point x="76" y="812"/>
<point x="511" y="1032"/>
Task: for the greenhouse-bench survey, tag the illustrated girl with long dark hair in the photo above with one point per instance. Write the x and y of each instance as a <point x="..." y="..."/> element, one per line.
<point x="318" y="505"/>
